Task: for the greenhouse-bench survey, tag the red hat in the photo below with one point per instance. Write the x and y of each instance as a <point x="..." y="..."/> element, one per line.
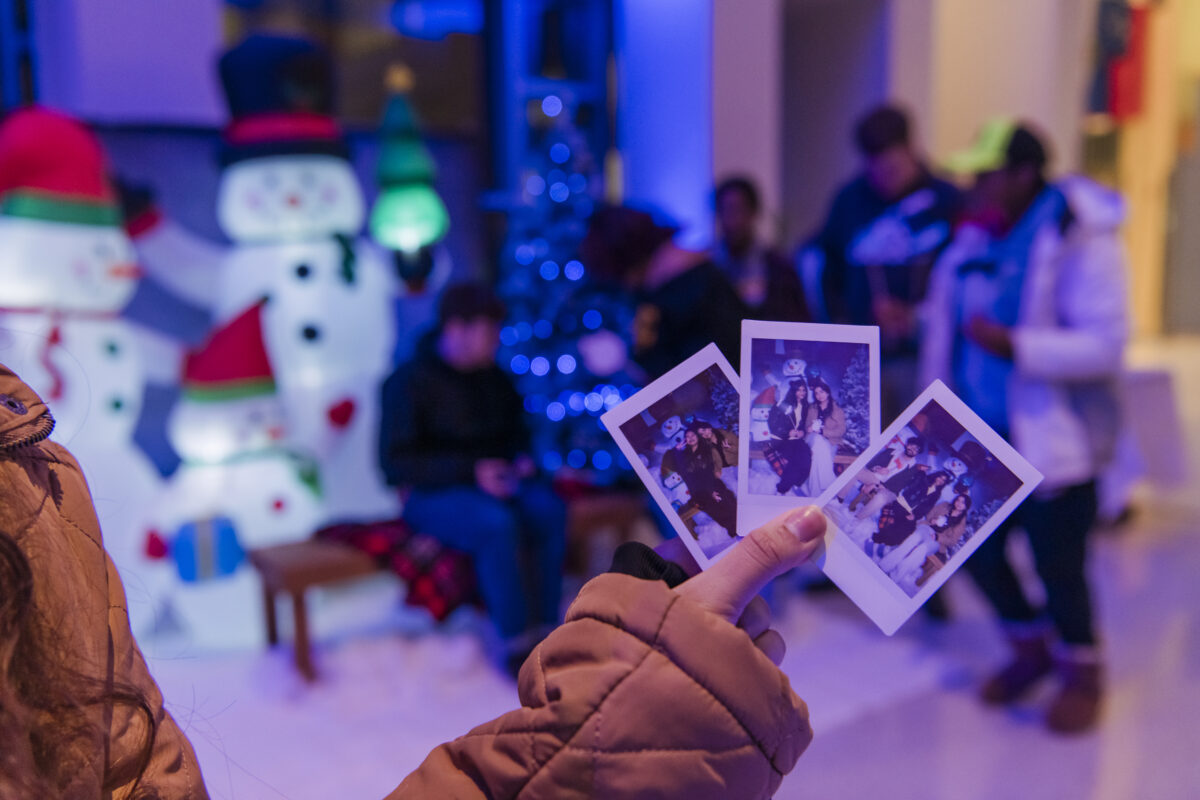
<point x="53" y="168"/>
<point x="233" y="363"/>
<point x="766" y="397"/>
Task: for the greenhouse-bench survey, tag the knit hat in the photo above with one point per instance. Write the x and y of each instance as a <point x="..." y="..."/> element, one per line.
<point x="280" y="95"/>
<point x="53" y="168"/>
<point x="233" y="363"/>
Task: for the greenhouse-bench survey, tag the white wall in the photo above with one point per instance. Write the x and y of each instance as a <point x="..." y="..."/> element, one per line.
<point x="835" y="67"/>
<point x="664" y="124"/>
<point x="1024" y="58"/>
<point x="747" y="68"/>
<point x="130" y="61"/>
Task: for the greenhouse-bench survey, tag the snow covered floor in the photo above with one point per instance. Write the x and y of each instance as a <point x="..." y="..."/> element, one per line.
<point x="894" y="717"/>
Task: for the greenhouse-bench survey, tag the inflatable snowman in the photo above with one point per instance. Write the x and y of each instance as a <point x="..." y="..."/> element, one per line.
<point x="292" y="205"/>
<point x="238" y="488"/>
<point x="67" y="275"/>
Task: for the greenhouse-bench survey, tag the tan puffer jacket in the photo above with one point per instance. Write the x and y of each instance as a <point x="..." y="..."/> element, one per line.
<point x="640" y="694"/>
<point x="79" y="600"/>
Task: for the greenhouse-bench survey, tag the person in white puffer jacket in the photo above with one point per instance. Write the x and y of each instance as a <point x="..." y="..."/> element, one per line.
<point x="1026" y="320"/>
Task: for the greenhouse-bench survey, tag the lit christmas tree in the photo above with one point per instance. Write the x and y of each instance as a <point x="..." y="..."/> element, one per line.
<point x="856" y="400"/>
<point x="552" y="305"/>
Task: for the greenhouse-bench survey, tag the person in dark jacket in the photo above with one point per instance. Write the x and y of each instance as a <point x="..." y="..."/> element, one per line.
<point x="884" y="230"/>
<point x="701" y="470"/>
<point x="683" y="300"/>
<point x="786" y="424"/>
<point x="899" y="519"/>
<point x="453" y="434"/>
<point x="763" y="276"/>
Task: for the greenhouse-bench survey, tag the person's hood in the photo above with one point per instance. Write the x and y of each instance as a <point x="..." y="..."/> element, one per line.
<point x="1094" y="206"/>
<point x="24" y="418"/>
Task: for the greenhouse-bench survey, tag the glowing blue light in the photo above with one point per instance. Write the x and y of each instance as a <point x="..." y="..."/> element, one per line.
<point x="612" y="401"/>
<point x="543" y="328"/>
<point x="577" y="183"/>
<point x="519" y="365"/>
<point x="566" y="364"/>
<point x="573" y="270"/>
<point x="560" y="153"/>
<point x="594" y="402"/>
<point x="559" y="192"/>
<point x="524" y="255"/>
<point x="508" y="336"/>
<point x="552" y="106"/>
<point x="628" y="390"/>
<point x="552" y="461"/>
<point x="524" y="330"/>
<point x="601" y="459"/>
<point x="539" y="366"/>
<point x="592" y="319"/>
<point x="575" y="402"/>
<point x="535" y="185"/>
<point x="536" y="403"/>
<point x="556" y="411"/>
<point x="549" y="270"/>
<point x="577" y="459"/>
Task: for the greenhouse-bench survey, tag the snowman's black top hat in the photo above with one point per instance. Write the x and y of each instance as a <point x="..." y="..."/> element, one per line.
<point x="280" y="95"/>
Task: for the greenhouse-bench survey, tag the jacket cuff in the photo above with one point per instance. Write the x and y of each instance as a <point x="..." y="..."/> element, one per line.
<point x="640" y="561"/>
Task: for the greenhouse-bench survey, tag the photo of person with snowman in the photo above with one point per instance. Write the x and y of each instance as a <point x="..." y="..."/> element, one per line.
<point x="930" y="487"/>
<point x="815" y="399"/>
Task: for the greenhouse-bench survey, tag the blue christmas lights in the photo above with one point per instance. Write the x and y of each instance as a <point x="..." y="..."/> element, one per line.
<point x="519" y="365"/>
<point x="549" y="270"/>
<point x="592" y="319"/>
<point x="560" y="153"/>
<point x="555" y="411"/>
<point x="601" y="459"/>
<point x="566" y="364"/>
<point x="540" y="366"/>
<point x="552" y="106"/>
<point x="577" y="459"/>
<point x="573" y="270"/>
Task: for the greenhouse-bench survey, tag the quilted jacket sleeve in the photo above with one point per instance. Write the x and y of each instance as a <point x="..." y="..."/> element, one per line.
<point x="639" y="694"/>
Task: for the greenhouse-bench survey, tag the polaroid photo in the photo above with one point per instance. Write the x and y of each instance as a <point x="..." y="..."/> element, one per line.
<point x="680" y="433"/>
<point x="809" y="407"/>
<point x="909" y="511"/>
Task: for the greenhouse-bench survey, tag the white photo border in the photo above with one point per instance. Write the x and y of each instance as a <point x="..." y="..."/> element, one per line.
<point x="708" y="357"/>
<point x="853" y="570"/>
<point x="754" y="510"/>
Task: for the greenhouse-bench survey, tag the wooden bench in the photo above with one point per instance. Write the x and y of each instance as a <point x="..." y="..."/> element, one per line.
<point x="293" y="569"/>
<point x="605" y="519"/>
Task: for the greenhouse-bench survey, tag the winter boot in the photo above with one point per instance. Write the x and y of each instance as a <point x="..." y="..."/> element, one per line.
<point x="1031" y="662"/>
<point x="1076" y="707"/>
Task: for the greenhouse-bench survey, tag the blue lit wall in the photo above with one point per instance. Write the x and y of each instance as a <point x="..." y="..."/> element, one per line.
<point x="664" y="126"/>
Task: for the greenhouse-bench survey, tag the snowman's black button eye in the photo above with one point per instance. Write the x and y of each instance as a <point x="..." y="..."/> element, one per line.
<point x="310" y="333"/>
<point x="303" y="271"/>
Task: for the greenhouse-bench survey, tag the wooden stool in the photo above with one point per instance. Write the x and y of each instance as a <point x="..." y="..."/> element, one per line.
<point x="293" y="568"/>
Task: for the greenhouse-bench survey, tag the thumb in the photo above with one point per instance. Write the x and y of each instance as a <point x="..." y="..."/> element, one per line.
<point x="783" y="543"/>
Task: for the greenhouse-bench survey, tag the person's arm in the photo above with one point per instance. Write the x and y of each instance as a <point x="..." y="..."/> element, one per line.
<point x="405" y="455"/>
<point x="834" y="428"/>
<point x="626" y="700"/>
<point x="1091" y="300"/>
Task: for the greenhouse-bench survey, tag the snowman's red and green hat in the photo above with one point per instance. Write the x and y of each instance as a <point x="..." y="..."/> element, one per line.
<point x="280" y="95"/>
<point x="53" y="169"/>
<point x="233" y="363"/>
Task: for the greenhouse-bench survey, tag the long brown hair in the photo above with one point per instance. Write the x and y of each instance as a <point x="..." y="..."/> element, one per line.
<point x="48" y="740"/>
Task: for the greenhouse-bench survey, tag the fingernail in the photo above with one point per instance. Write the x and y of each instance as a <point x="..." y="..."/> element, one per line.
<point x="806" y="523"/>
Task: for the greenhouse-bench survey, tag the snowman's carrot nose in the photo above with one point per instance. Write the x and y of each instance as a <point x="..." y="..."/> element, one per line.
<point x="128" y="271"/>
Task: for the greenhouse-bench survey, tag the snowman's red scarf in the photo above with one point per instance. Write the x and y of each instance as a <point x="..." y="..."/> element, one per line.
<point x="53" y="339"/>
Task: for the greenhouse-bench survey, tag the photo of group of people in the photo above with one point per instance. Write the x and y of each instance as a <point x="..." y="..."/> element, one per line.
<point x="811" y="408"/>
<point x="921" y="497"/>
<point x="684" y="442"/>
